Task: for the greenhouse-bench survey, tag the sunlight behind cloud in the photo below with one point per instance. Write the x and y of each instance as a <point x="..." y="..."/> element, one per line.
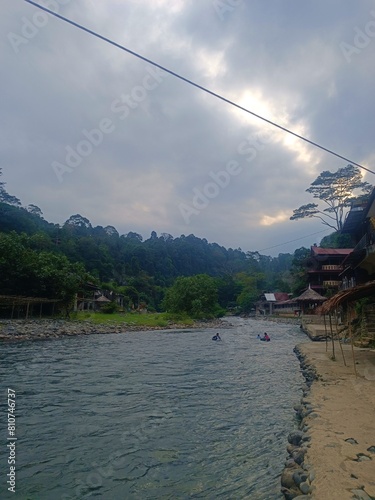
<point x="270" y="220"/>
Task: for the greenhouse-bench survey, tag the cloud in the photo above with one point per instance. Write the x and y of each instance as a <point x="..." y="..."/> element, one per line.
<point x="281" y="60"/>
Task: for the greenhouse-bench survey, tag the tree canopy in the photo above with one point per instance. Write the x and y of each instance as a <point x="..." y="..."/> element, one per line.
<point x="336" y="191"/>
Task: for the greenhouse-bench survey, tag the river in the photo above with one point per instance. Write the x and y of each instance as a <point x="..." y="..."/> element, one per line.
<point x="153" y="415"/>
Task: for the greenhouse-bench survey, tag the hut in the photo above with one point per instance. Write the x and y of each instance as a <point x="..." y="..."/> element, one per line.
<point x="309" y="300"/>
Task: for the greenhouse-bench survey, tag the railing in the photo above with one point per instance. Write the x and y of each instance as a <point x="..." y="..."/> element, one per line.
<point x="331" y="284"/>
<point x="332" y="267"/>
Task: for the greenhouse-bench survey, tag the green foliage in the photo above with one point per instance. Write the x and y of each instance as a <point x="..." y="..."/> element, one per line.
<point x="337" y="240"/>
<point x="39" y="258"/>
<point x="195" y="295"/>
<point x="109" y="308"/>
<point x="298" y="270"/>
<point x="251" y="287"/>
<point x="25" y="271"/>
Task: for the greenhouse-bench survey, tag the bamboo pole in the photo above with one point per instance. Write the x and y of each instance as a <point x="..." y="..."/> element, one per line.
<point x="333" y="342"/>
<point x="325" y="328"/>
<point x="351" y="338"/>
<point x="340" y="344"/>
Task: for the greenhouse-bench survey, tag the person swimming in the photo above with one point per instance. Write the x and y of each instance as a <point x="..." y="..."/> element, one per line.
<point x="216" y="337"/>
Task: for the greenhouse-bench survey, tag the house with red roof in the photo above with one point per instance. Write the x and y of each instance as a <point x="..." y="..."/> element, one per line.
<point x="324" y="269"/>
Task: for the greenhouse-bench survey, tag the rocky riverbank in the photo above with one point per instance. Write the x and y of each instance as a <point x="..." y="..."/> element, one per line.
<point x="44" y="329"/>
<point x="332" y="454"/>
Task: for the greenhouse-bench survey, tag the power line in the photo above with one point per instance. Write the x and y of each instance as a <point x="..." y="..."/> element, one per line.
<point x="190" y="82"/>
<point x="292" y="241"/>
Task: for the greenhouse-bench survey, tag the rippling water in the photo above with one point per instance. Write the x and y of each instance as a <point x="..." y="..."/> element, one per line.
<point x="153" y="415"/>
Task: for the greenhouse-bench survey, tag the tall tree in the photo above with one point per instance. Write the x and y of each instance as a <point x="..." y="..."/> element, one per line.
<point x="5" y="197"/>
<point x="336" y="191"/>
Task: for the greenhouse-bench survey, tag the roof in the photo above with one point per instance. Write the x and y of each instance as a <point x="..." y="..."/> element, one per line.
<point x="276" y="297"/>
<point x="331" y="251"/>
<point x="270" y="297"/>
<point x="310" y="295"/>
<point x="349" y="295"/>
<point x="353" y="220"/>
<point x="102" y="299"/>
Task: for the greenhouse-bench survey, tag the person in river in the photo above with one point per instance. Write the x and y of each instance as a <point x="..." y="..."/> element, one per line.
<point x="258" y="337"/>
<point x="216" y="337"/>
<point x="266" y="337"/>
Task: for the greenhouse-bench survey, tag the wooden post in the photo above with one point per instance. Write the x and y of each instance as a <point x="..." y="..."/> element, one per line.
<point x="27" y="310"/>
<point x="11" y="317"/>
<point x="351" y="338"/>
<point x="40" y="310"/>
<point x="325" y="328"/>
<point x="340" y="344"/>
<point x="333" y="342"/>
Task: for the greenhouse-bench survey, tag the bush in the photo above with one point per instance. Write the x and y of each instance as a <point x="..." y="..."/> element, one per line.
<point x="109" y="308"/>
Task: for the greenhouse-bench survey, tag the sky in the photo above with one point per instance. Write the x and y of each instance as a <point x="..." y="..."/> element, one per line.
<point x="89" y="129"/>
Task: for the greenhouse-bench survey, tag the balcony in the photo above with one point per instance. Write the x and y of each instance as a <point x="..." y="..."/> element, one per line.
<point x="331" y="284"/>
<point x="332" y="267"/>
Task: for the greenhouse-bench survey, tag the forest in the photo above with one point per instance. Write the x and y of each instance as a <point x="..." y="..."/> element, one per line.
<point x="42" y="259"/>
<point x="177" y="274"/>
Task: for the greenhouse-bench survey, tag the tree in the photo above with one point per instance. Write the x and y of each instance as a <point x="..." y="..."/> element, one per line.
<point x="336" y="190"/>
<point x="5" y="197"/>
<point x="195" y="295"/>
<point x="33" y="209"/>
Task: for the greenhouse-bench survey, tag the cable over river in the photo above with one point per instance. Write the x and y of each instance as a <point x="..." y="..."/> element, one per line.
<point x="153" y="415"/>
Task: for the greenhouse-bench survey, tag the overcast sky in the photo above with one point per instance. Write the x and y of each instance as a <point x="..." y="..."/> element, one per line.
<point x="88" y="128"/>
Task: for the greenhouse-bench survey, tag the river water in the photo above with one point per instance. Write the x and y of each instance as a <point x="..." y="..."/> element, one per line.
<point x="152" y="415"/>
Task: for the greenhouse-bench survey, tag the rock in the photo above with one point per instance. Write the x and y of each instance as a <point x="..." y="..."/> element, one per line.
<point x="305" y="488"/>
<point x="291" y="448"/>
<point x="363" y="458"/>
<point x="287" y="480"/>
<point x="299" y="456"/>
<point x="371" y="449"/>
<point x="351" y="441"/>
<point x="295" y="437"/>
<point x="290" y="464"/>
<point x="290" y="494"/>
<point x="299" y="477"/>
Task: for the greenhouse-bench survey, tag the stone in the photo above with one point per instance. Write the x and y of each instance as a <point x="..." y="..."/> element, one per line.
<point x="351" y="441"/>
<point x="371" y="449"/>
<point x="305" y="488"/>
<point x="295" y="437"/>
<point x="290" y="494"/>
<point x="363" y="458"/>
<point x="287" y="480"/>
<point x="299" y="477"/>
<point x="299" y="456"/>
<point x="290" y="464"/>
<point x="291" y="448"/>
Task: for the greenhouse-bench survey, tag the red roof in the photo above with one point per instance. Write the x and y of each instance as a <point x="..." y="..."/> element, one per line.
<point x="331" y="251"/>
<point x="281" y="296"/>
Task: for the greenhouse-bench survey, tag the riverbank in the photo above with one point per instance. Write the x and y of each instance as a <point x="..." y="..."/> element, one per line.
<point x="44" y="329"/>
<point x="336" y="440"/>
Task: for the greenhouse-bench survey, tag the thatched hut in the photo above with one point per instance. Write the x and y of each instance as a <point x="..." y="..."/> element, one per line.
<point x="309" y="300"/>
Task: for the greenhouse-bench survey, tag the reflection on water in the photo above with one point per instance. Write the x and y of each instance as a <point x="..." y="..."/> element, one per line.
<point x="151" y="415"/>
